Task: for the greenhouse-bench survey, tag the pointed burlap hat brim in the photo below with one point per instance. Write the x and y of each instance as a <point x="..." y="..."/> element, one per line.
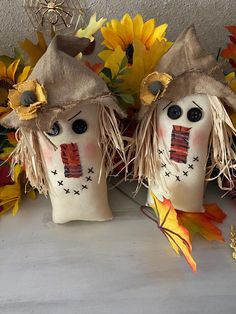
<point x="67" y="81"/>
<point x="193" y="71"/>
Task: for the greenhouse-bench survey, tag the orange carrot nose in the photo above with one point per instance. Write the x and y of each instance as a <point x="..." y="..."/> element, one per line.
<point x="179" y="144"/>
<point x="71" y="160"/>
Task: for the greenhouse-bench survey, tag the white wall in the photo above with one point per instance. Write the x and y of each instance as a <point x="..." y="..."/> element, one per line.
<point x="209" y="16"/>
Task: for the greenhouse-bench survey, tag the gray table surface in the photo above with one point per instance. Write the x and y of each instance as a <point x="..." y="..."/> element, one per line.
<point x="121" y="266"/>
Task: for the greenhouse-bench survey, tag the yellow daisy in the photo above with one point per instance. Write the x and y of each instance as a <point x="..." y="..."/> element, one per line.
<point x="123" y="33"/>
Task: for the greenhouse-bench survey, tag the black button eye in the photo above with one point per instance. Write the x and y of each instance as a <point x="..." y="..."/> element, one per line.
<point x="79" y="126"/>
<point x="194" y="114"/>
<point x="55" y="130"/>
<point x="174" y="112"/>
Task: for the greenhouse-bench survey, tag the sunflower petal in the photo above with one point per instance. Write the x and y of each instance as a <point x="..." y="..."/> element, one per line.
<point x="128" y="26"/>
<point x="105" y="54"/>
<point x="138" y="26"/>
<point x="11" y="70"/>
<point x="112" y="40"/>
<point x="159" y="34"/>
<point x="148" y="29"/>
<point x="24" y="75"/>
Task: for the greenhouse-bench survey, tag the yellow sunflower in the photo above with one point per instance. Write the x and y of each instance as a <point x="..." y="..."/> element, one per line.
<point x="144" y="62"/>
<point x="123" y="34"/>
<point x="10" y="75"/>
<point x="11" y="193"/>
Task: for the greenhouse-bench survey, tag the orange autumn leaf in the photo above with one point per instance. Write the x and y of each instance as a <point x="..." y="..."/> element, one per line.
<point x="97" y="67"/>
<point x="230" y="51"/>
<point x="203" y="223"/>
<point x="11" y="136"/>
<point x="168" y="223"/>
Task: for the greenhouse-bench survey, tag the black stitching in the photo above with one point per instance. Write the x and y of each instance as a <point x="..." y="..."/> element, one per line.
<point x="90" y="170"/>
<point x="88" y="179"/>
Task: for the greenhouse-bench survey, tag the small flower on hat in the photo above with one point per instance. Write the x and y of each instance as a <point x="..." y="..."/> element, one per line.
<point x="27" y="98"/>
<point x="154" y="87"/>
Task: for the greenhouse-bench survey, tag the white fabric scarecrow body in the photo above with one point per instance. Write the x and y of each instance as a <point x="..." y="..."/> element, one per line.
<point x="77" y="187"/>
<point x="184" y="128"/>
<point x="67" y="145"/>
<point x="185" y="132"/>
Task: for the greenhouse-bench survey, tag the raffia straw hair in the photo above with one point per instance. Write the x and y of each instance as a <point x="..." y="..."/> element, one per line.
<point x="144" y="148"/>
<point x="221" y="153"/>
<point x="222" y="150"/>
<point x="28" y="153"/>
<point x="111" y="141"/>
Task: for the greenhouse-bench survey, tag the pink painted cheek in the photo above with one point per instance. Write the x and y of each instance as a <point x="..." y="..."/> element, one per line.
<point x="198" y="138"/>
<point x="91" y="150"/>
<point x="48" y="153"/>
<point x="161" y="131"/>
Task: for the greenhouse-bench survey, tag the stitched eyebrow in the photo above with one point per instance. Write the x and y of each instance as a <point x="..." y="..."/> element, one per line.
<point x="197" y="105"/>
<point x="75" y="115"/>
<point x="167" y="105"/>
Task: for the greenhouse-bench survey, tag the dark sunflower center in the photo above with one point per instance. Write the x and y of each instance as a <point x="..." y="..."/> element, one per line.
<point x="130" y="53"/>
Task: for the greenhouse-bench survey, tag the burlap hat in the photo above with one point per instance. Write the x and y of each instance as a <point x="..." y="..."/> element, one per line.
<point x="184" y="70"/>
<point x="67" y="82"/>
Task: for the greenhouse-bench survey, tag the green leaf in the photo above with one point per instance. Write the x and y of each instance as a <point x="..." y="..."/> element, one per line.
<point x="107" y="72"/>
<point x="19" y="55"/>
<point x="118" y="81"/>
<point x="125" y="71"/>
<point x="129" y="99"/>
<point x="124" y="63"/>
<point x="7" y="60"/>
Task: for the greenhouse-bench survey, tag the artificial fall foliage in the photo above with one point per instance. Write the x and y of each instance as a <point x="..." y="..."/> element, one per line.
<point x="230" y="51"/>
<point x="167" y="221"/>
<point x="203" y="223"/>
<point x="34" y="51"/>
<point x="131" y="50"/>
